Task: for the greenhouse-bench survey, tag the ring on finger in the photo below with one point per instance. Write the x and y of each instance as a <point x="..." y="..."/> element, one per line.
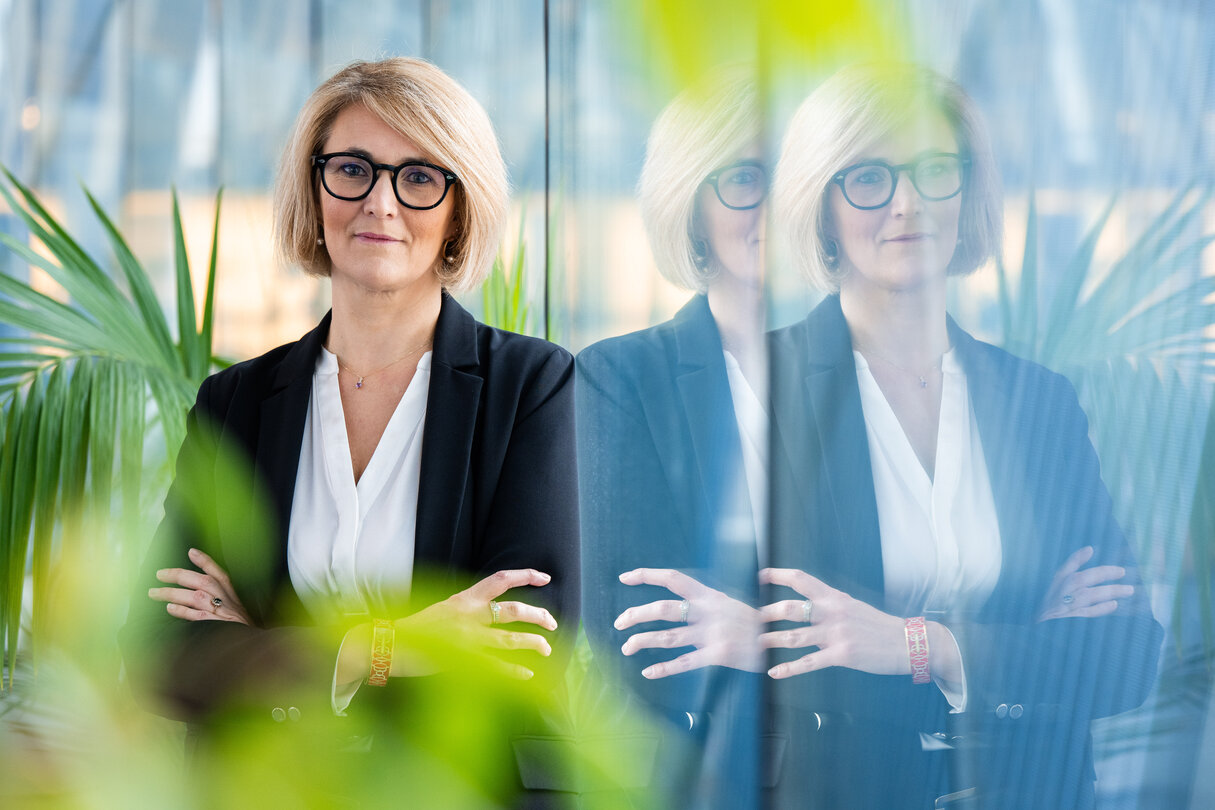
<point x="683" y="611"/>
<point x="216" y="604"/>
<point x="1068" y="598"/>
<point x="807" y="610"/>
<point x="495" y="611"/>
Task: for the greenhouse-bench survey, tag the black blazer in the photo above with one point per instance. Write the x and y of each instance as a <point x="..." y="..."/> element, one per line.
<point x="660" y="457"/>
<point x="498" y="491"/>
<point x="1032" y="687"/>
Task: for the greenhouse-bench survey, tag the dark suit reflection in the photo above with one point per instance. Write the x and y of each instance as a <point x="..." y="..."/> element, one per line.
<point x="662" y="486"/>
<point x="857" y="740"/>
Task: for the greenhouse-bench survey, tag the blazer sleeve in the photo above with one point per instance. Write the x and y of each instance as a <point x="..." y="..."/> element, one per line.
<point x="1071" y="669"/>
<point x="532" y="520"/>
<point x="189" y="670"/>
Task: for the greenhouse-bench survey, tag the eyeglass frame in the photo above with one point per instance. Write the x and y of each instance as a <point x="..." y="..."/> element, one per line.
<point x="711" y="179"/>
<point x="895" y="171"/>
<point x="319" y="161"/>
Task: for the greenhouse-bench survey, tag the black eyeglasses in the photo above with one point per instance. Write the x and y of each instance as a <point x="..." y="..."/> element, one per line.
<point x="740" y="186"/>
<point x="871" y="184"/>
<point x="350" y="176"/>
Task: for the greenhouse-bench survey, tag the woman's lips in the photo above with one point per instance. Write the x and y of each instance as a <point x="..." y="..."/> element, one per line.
<point x="377" y="238"/>
<point x="908" y="237"/>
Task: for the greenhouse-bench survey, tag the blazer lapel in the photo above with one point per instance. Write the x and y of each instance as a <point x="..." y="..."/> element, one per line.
<point x="828" y="453"/>
<point x="706" y="401"/>
<point x="835" y="400"/>
<point x="995" y="400"/>
<point x="452" y="409"/>
<point x="280" y="430"/>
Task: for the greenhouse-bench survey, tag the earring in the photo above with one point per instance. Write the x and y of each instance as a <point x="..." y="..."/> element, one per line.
<point x="831" y="253"/>
<point x="700" y="254"/>
<point x="320" y="240"/>
<point x="449" y="254"/>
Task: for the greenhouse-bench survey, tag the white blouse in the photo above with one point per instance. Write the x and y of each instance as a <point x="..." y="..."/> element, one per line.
<point x="752" y="418"/>
<point x="350" y="546"/>
<point x="940" y="537"/>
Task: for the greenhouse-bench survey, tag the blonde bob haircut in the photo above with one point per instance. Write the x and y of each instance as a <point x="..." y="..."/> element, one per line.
<point x="846" y="115"/>
<point x="704" y="128"/>
<point x="422" y="103"/>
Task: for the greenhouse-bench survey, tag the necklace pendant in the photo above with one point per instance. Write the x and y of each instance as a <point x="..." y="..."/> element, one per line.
<point x="923" y="382"/>
<point x="359" y="383"/>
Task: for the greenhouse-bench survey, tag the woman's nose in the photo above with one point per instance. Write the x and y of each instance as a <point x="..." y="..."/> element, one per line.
<point x="381" y="200"/>
<point x="906" y="199"/>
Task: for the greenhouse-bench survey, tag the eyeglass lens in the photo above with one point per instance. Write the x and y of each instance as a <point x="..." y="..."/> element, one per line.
<point x="742" y="186"/>
<point x="872" y="185"/>
<point x="350" y="178"/>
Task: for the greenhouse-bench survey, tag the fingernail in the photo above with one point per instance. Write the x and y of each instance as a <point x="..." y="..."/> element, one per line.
<point x="617" y="624"/>
<point x="624" y="648"/>
<point x="193" y="552"/>
<point x="648" y="672"/>
<point x="547" y="650"/>
<point x="528" y="674"/>
<point x="775" y="672"/>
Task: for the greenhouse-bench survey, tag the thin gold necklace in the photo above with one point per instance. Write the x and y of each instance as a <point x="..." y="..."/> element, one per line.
<point x="359" y="382"/>
<point x="923" y="379"/>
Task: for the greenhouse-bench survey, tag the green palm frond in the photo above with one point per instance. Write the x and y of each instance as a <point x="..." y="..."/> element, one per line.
<point x="503" y="297"/>
<point x="1135" y="347"/>
<point x="76" y="390"/>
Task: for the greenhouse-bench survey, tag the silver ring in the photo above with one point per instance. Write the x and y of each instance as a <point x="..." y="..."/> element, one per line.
<point x="1068" y="598"/>
<point x="683" y="611"/>
<point x="807" y="610"/>
<point x="216" y="602"/>
<point x="494" y="610"/>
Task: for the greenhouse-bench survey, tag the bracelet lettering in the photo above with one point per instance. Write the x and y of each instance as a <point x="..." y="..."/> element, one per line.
<point x="917" y="649"/>
<point x="383" y="635"/>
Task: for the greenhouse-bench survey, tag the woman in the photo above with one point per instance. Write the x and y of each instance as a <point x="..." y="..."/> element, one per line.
<point x="935" y="498"/>
<point x="672" y="440"/>
<point x="408" y="452"/>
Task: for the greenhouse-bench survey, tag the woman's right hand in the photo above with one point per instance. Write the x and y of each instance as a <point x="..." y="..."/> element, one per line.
<point x="208" y="596"/>
<point x="1077" y="593"/>
<point x="470" y="615"/>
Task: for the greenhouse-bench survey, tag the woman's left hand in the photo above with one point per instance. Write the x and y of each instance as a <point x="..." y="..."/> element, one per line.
<point x="723" y="630"/>
<point x="847" y="632"/>
<point x="1084" y="593"/>
<point x="208" y="596"/>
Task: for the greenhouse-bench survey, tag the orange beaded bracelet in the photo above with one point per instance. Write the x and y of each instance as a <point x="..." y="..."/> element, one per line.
<point x="383" y="635"/>
<point x="917" y="649"/>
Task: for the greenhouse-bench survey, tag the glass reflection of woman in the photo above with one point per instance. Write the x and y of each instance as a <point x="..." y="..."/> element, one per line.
<point x="921" y="473"/>
<point x="400" y="442"/>
<point x="672" y="448"/>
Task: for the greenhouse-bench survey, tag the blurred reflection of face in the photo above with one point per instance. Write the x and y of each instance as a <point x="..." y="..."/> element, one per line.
<point x="909" y="241"/>
<point x="734" y="238"/>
